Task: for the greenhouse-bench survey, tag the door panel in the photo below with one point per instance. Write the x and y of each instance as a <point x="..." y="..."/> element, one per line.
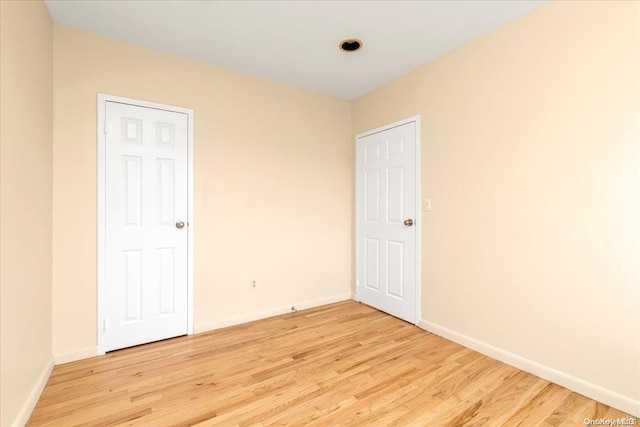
<point x="395" y="263"/>
<point x="145" y="252"/>
<point x="372" y="263"/>
<point x="386" y="197"/>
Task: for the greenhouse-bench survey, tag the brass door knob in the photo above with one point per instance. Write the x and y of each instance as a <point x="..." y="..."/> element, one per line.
<point x="408" y="222"/>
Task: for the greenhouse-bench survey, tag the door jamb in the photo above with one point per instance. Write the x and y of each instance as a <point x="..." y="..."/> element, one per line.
<point x="417" y="215"/>
<point x="101" y="170"/>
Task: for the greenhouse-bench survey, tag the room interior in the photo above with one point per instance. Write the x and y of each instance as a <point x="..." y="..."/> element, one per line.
<point x="529" y="153"/>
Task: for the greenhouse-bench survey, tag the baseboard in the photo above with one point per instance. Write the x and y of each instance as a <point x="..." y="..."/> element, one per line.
<point x="606" y="396"/>
<point x="250" y="317"/>
<point x="84" y="353"/>
<point x="32" y="399"/>
<point x="72" y="356"/>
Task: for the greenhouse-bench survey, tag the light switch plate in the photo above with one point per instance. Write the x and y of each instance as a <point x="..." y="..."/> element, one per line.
<point x="427" y="205"/>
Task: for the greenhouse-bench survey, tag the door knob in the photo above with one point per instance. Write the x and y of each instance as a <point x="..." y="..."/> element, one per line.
<point x="181" y="224"/>
<point x="408" y="222"/>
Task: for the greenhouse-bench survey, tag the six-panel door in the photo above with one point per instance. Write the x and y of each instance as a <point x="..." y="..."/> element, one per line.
<point x="146" y="247"/>
<point x="386" y="198"/>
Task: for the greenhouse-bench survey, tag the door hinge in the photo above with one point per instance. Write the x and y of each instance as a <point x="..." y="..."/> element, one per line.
<point x="104" y="324"/>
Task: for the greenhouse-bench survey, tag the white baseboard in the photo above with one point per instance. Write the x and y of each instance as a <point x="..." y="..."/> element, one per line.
<point x="32" y="399"/>
<point x="72" y="356"/>
<point x="250" y="317"/>
<point x="84" y="353"/>
<point x="606" y="396"/>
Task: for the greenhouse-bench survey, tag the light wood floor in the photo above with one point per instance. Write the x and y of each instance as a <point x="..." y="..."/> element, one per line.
<point x="344" y="364"/>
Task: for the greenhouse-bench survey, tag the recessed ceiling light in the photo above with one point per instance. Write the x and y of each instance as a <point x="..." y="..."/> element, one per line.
<point x="350" y="45"/>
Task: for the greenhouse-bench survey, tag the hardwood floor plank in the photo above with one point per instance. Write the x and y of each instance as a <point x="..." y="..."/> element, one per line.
<point x="343" y="364"/>
<point x="540" y="407"/>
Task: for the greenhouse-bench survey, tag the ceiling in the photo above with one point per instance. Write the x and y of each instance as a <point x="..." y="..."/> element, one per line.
<point x="296" y="42"/>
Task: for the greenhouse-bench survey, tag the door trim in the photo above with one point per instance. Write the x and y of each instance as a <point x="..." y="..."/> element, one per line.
<point x="101" y="170"/>
<point x="417" y="215"/>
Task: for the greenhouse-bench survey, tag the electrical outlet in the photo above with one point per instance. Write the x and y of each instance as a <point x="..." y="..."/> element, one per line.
<point x="253" y="285"/>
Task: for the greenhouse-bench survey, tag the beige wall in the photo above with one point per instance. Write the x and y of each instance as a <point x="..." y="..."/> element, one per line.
<point x="26" y="93"/>
<point x="272" y="184"/>
<point x="530" y="153"/>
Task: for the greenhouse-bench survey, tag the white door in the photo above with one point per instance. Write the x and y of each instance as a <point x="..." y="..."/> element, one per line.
<point x="145" y="225"/>
<point x="386" y="209"/>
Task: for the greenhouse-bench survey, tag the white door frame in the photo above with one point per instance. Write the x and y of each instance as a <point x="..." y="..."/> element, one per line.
<point x="102" y="286"/>
<point x="417" y="214"/>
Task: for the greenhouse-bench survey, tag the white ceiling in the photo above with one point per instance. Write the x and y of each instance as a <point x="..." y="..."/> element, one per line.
<point x="296" y="42"/>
